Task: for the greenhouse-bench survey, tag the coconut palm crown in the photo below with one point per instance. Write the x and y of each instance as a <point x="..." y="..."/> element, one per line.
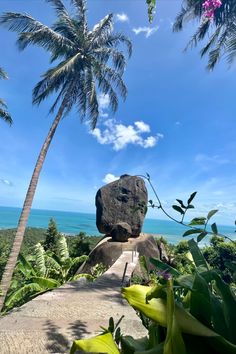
<point x="218" y="34"/>
<point x="87" y="62"/>
<point x="4" y="114"/>
<point x="85" y="58"/>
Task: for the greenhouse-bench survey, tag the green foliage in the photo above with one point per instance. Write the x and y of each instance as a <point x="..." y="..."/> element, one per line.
<point x="151" y="9"/>
<point x="78" y="245"/>
<point x="51" y="236"/>
<point x="221" y="256"/>
<point x="186" y="314"/>
<point x="217" y="35"/>
<point x="98" y="270"/>
<point x="43" y="268"/>
<point x="4" y="114"/>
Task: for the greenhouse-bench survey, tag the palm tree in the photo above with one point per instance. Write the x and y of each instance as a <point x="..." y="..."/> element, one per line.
<point x="4" y="114"/>
<point x="89" y="62"/>
<point x="218" y="33"/>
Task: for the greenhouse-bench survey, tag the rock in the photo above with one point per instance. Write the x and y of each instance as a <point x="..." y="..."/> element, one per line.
<point x="121" y="232"/>
<point x="122" y="201"/>
<point x="108" y="251"/>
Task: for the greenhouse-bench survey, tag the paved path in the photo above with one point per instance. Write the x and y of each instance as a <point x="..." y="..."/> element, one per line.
<point x="50" y="322"/>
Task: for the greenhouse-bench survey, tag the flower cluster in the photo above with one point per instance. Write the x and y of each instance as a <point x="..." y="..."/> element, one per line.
<point x="209" y="7"/>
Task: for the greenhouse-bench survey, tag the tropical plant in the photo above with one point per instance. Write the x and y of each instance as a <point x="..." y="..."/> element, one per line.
<point x="218" y="31"/>
<point x="51" y="236"/>
<point x="42" y="271"/>
<point x="87" y="61"/>
<point x="4" y="114"/>
<point x="186" y="314"/>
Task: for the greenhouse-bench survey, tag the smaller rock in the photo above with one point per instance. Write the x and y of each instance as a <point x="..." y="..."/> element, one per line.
<point x="121" y="232"/>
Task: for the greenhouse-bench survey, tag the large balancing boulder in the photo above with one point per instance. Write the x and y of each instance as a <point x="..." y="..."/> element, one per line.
<point x="121" y="208"/>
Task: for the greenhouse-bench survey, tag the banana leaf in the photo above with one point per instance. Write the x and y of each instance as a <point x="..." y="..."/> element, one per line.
<point x="103" y="343"/>
<point x="156" y="309"/>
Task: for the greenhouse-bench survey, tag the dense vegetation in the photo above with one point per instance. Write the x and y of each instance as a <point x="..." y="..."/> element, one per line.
<point x="78" y="244"/>
<point x="47" y="260"/>
<point x="184" y="313"/>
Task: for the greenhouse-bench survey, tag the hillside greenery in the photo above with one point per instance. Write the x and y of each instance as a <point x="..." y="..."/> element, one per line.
<point x="78" y="244"/>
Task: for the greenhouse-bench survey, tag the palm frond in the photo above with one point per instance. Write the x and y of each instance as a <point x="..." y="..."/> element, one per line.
<point x="3" y="74"/>
<point x="113" y="40"/>
<point x="80" y="5"/>
<point x="92" y="99"/>
<point x="212" y="40"/>
<point x="5" y="115"/>
<point x="3" y="103"/>
<point x="32" y="31"/>
<point x="106" y="75"/>
<point x="199" y="34"/>
<point x="117" y="57"/>
<point x="230" y="44"/>
<point x="215" y="54"/>
<point x="64" y="17"/>
<point x="179" y="20"/>
<point x="102" y="29"/>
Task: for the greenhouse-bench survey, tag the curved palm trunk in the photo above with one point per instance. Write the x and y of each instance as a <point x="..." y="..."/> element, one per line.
<point x="11" y="263"/>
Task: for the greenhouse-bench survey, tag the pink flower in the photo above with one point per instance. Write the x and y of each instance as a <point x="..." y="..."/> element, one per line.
<point x="209" y="7"/>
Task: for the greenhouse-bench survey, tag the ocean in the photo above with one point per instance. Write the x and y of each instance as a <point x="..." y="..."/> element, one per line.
<point x="74" y="223"/>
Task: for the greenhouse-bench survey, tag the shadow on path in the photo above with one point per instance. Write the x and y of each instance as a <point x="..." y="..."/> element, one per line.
<point x="61" y="343"/>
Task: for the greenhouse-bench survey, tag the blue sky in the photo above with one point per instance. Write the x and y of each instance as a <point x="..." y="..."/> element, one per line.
<point x="177" y="123"/>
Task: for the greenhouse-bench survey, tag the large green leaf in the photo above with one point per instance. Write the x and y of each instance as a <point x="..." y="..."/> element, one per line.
<point x="157" y="349"/>
<point x="62" y="249"/>
<point x="198" y="221"/>
<point x="200" y="301"/>
<point x="192" y="231"/>
<point x="103" y="343"/>
<point x="163" y="266"/>
<point x="25" y="267"/>
<point x="40" y="266"/>
<point x="174" y="343"/>
<point x="22" y="295"/>
<point x="130" y="345"/>
<point x="45" y="283"/>
<point x="229" y="305"/>
<point x="211" y="213"/>
<point x="156" y="310"/>
<point x="198" y="258"/>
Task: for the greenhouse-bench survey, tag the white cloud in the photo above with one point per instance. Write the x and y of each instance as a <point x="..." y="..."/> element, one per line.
<point x="215" y="159"/>
<point x="147" y="30"/>
<point x="6" y="182"/>
<point x="122" y="17"/>
<point x="177" y="123"/>
<point x="110" y="178"/>
<point x="119" y="135"/>
<point x="103" y="102"/>
<point x="142" y="127"/>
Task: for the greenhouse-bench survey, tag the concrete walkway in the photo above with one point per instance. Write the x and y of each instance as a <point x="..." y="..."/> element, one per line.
<point x="50" y="322"/>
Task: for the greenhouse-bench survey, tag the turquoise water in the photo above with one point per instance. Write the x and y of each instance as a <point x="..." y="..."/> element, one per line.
<point x="73" y="223"/>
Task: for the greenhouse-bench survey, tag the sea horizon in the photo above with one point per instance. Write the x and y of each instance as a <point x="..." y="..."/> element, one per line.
<point x="71" y="222"/>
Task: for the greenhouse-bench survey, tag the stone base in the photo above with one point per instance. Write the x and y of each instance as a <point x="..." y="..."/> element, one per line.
<point x="108" y="251"/>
